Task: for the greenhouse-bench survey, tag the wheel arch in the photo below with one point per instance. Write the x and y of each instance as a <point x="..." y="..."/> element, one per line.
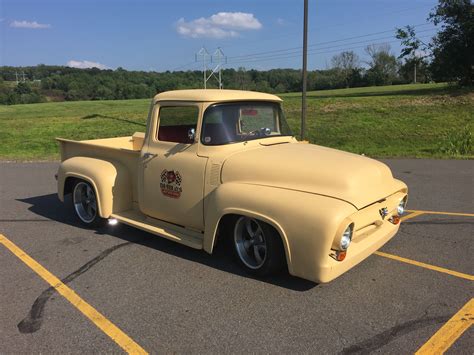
<point x="110" y="180"/>
<point x="239" y="199"/>
<point x="259" y="216"/>
<point x="70" y="182"/>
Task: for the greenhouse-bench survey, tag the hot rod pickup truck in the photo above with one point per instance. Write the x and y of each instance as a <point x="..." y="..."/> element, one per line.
<point x="223" y="166"/>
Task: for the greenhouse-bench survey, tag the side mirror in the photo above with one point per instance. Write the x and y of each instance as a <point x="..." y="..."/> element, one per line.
<point x="192" y="134"/>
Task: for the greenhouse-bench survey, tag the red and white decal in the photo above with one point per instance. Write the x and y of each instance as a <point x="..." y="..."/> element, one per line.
<point x="170" y="184"/>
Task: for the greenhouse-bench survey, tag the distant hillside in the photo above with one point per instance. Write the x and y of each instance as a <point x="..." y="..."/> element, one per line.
<point x="423" y="120"/>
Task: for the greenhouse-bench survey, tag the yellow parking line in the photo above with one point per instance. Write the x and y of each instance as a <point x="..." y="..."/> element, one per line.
<point x="450" y="332"/>
<point x="122" y="339"/>
<point x="426" y="266"/>
<point x="443" y="213"/>
<point x="411" y="215"/>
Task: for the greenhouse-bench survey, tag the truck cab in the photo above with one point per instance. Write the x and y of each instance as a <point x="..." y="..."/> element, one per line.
<point x="187" y="138"/>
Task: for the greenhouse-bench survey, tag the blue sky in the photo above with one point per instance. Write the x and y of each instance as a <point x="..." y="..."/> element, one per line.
<point x="165" y="35"/>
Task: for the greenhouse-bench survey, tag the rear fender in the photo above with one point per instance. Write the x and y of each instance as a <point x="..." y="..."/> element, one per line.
<point x="111" y="182"/>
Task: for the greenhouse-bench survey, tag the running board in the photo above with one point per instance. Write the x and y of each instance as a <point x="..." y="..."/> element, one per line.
<point x="169" y="231"/>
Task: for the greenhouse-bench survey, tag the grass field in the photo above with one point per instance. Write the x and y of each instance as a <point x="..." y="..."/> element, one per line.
<point x="426" y="120"/>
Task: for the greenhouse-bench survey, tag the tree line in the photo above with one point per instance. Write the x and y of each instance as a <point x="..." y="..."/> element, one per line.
<point x="55" y="83"/>
<point x="447" y="57"/>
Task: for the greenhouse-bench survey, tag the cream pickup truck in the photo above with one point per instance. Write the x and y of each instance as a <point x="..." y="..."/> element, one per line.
<point x="223" y="166"/>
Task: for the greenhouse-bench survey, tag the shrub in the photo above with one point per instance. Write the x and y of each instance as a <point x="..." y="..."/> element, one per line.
<point x="457" y="142"/>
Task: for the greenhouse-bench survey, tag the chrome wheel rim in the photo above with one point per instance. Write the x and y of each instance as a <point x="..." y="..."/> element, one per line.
<point x="250" y="243"/>
<point x="85" y="202"/>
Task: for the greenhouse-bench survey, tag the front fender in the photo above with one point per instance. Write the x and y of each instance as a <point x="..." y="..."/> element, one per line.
<point x="307" y="223"/>
<point x="110" y="180"/>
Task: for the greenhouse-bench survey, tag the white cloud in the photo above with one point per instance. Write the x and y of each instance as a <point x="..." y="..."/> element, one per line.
<point x="29" y="24"/>
<point x="280" y="22"/>
<point x="220" y="25"/>
<point x="84" y="64"/>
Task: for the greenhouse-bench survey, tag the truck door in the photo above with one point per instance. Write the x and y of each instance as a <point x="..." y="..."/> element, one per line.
<point x="173" y="173"/>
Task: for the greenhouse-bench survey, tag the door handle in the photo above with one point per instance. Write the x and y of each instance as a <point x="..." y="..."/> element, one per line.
<point x="149" y="155"/>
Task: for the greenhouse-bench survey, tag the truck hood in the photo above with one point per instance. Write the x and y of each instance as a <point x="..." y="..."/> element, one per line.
<point x="355" y="179"/>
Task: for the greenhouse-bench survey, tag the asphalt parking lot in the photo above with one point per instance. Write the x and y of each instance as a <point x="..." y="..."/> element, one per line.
<point x="157" y="296"/>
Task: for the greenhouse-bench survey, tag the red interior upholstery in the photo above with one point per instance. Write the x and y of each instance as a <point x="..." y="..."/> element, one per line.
<point x="177" y="134"/>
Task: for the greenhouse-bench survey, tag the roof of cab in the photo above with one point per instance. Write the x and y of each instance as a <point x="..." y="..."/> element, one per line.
<point x="214" y="95"/>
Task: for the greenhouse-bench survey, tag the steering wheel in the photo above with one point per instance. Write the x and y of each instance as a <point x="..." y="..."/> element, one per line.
<point x="261" y="132"/>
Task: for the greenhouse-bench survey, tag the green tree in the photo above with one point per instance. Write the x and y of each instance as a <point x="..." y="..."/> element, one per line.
<point x="453" y="45"/>
<point x="412" y="48"/>
<point x="345" y="64"/>
<point x="23" y="88"/>
<point x="383" y="65"/>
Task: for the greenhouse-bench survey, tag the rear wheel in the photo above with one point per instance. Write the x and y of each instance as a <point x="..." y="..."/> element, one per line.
<point x="84" y="200"/>
<point x="257" y="246"/>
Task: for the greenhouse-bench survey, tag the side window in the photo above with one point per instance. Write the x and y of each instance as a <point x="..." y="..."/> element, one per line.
<point x="176" y="122"/>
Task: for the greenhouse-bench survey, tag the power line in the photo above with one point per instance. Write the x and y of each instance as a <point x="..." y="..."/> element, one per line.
<point x="315" y="52"/>
<point x="334" y="48"/>
<point x="287" y="51"/>
<point x="320" y="43"/>
<point x="193" y="63"/>
<point x="380" y="15"/>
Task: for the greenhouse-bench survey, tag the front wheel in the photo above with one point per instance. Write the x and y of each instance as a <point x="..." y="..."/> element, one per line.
<point x="84" y="201"/>
<point x="258" y="246"/>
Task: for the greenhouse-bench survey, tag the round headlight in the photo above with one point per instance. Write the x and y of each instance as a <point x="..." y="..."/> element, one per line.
<point x="401" y="207"/>
<point x="346" y="237"/>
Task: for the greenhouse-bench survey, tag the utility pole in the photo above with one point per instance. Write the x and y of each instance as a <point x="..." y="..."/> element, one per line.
<point x="16" y="77"/>
<point x="204" y="54"/>
<point x="414" y="68"/>
<point x="304" y="74"/>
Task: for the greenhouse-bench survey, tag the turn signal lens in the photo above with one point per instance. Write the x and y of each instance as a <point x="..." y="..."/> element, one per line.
<point x="341" y="255"/>
<point x="395" y="219"/>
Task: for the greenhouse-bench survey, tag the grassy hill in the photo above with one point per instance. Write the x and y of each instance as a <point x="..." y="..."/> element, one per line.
<point x="425" y="120"/>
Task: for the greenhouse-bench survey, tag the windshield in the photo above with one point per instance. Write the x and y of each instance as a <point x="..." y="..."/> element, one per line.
<point x="243" y="121"/>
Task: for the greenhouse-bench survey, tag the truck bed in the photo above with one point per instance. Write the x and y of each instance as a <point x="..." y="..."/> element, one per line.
<point x="129" y="143"/>
<point x="122" y="150"/>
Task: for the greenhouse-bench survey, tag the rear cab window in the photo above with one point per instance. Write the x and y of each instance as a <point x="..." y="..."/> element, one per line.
<point x="176" y="122"/>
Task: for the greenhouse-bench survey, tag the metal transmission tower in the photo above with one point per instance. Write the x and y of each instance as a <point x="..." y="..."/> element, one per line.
<point x="203" y="55"/>
<point x="218" y="58"/>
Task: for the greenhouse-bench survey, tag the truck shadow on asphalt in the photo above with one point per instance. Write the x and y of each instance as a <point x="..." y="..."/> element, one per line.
<point x="49" y="206"/>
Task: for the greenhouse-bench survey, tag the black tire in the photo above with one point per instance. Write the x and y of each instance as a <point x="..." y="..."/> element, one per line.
<point x="261" y="253"/>
<point x="84" y="203"/>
